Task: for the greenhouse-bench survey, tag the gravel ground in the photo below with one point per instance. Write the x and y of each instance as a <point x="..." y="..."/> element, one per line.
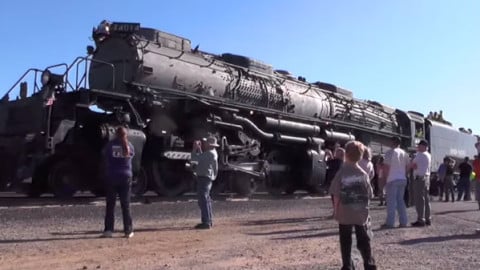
<point x="260" y="233"/>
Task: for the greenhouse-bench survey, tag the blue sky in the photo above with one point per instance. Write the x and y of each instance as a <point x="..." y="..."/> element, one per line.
<point x="410" y="54"/>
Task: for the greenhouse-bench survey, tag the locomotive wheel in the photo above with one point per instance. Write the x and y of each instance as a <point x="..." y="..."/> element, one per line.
<point x="243" y="184"/>
<point x="314" y="189"/>
<point x="63" y="179"/>
<point x="39" y="182"/>
<point x="139" y="183"/>
<point x="166" y="181"/>
<point x="98" y="192"/>
<point x="220" y="185"/>
<point x="276" y="182"/>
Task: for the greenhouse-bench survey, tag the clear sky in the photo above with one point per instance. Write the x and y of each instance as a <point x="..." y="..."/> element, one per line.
<point x="421" y="55"/>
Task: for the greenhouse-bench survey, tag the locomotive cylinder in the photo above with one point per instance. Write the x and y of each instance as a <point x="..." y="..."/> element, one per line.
<point x="337" y="136"/>
<point x="291" y="126"/>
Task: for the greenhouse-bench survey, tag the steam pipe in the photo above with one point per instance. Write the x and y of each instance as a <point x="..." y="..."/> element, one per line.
<point x="278" y="137"/>
<point x="225" y="124"/>
<point x="291" y="126"/>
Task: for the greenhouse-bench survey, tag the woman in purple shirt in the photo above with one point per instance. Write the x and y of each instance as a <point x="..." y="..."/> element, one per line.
<point x="118" y="155"/>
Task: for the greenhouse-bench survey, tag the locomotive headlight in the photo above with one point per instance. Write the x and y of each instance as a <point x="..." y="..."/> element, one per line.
<point x="49" y="78"/>
<point x="46" y="77"/>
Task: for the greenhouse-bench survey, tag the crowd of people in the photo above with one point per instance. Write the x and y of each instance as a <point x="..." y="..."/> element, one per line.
<point x="397" y="175"/>
<point x="349" y="176"/>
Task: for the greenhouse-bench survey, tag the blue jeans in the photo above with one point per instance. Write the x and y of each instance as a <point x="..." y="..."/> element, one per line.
<point x="204" y="185"/>
<point x="395" y="201"/>
<point x="122" y="186"/>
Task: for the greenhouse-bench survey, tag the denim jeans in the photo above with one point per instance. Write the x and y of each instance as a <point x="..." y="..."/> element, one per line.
<point x="122" y="187"/>
<point x="204" y="185"/>
<point x="396" y="202"/>
<point x="363" y="245"/>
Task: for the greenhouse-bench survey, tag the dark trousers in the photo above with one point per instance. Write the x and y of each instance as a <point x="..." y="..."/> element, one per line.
<point x="363" y="245"/>
<point x="421" y="187"/>
<point x="441" y="186"/>
<point x="204" y="185"/>
<point x="463" y="187"/>
<point x="122" y="187"/>
<point x="449" y="188"/>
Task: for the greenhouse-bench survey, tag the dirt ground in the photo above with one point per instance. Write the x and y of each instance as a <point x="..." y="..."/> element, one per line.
<point x="270" y="234"/>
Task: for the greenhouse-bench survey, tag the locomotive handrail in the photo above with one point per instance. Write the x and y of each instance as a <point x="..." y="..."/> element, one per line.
<point x="78" y="61"/>
<point x="113" y="69"/>
<point x="35" y="85"/>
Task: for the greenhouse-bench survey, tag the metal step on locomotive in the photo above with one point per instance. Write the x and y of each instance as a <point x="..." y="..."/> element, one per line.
<point x="273" y="128"/>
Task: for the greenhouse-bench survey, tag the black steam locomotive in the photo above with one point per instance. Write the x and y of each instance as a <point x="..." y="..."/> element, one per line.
<point x="273" y="128"/>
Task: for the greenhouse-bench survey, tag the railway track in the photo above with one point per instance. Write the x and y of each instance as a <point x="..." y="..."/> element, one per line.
<point x="12" y="199"/>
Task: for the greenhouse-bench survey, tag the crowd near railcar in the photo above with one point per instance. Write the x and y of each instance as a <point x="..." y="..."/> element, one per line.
<point x="273" y="128"/>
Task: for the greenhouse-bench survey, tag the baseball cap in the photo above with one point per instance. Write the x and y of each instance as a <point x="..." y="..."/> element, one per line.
<point x="395" y="139"/>
<point x="423" y="142"/>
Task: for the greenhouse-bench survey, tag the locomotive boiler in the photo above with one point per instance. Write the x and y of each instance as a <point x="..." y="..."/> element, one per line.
<point x="273" y="128"/>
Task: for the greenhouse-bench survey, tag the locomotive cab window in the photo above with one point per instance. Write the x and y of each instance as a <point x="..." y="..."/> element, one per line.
<point x="419" y="130"/>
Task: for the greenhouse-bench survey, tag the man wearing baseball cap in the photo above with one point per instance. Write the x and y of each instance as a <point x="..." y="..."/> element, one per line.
<point x="421" y="184"/>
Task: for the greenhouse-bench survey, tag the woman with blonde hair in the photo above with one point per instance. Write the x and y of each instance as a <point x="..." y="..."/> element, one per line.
<point x="118" y="156"/>
<point x="366" y="164"/>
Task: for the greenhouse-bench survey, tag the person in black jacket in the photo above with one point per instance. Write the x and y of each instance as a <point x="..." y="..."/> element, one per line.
<point x="449" y="183"/>
<point x="464" y="182"/>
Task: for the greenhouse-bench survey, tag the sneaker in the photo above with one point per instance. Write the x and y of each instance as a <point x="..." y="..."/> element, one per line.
<point x="202" y="226"/>
<point x="402" y="226"/>
<point x="418" y="224"/>
<point x="106" y="234"/>
<point x="129" y="235"/>
<point x="428" y="222"/>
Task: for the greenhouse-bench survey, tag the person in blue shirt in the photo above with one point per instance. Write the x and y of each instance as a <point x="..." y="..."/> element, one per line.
<point x="205" y="157"/>
<point x="118" y="157"/>
<point x="441" y="172"/>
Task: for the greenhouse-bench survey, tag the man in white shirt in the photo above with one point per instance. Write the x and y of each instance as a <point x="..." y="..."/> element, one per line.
<point x="395" y="168"/>
<point x="477" y="145"/>
<point x="421" y="184"/>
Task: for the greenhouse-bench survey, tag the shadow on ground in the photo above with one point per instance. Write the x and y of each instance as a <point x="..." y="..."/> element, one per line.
<point x="435" y="239"/>
<point x="78" y="235"/>
<point x="260" y="222"/>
